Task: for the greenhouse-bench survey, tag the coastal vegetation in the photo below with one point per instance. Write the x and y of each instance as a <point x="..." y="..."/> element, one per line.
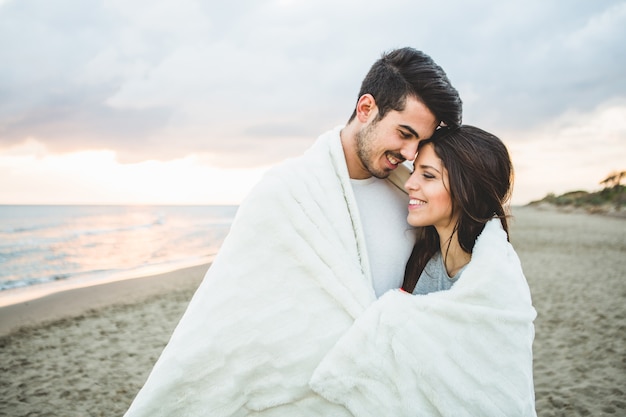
<point x="610" y="199"/>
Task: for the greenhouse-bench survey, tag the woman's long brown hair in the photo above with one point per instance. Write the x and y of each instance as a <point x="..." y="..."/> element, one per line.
<point x="480" y="174"/>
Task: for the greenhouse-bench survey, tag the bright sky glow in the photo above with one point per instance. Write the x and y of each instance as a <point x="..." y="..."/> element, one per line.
<point x="190" y="102"/>
<point x="95" y="177"/>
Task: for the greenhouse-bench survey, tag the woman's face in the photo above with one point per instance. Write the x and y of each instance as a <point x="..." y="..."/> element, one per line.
<point x="429" y="199"/>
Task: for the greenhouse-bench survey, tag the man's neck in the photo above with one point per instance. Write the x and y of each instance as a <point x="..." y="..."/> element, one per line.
<point x="356" y="170"/>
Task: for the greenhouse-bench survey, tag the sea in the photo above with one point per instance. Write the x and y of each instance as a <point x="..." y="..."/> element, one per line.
<point x="50" y="248"/>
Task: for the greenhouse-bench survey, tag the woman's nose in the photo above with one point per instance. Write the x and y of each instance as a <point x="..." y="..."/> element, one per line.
<point x="411" y="183"/>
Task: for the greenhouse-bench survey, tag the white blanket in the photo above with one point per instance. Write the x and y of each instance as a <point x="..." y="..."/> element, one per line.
<point x="462" y="352"/>
<point x="288" y="284"/>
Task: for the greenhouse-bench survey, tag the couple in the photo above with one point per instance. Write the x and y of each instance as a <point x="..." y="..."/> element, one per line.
<point x="324" y="301"/>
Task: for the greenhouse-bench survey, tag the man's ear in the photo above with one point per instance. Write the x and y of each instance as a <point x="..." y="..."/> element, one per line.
<point x="366" y="108"/>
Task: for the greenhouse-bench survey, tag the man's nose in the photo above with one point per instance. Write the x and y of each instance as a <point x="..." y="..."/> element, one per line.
<point x="409" y="151"/>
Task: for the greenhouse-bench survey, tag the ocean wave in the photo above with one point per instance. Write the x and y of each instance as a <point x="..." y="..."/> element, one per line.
<point x="92" y="243"/>
<point x="20" y="283"/>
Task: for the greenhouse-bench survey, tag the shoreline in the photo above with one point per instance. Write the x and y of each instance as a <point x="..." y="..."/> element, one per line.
<point x="17" y="295"/>
<point x="76" y="301"/>
<point x="30" y="293"/>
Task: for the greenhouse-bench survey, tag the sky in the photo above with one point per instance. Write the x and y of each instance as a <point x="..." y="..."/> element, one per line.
<point x="190" y="102"/>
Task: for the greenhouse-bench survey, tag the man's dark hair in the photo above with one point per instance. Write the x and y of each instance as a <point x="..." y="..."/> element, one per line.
<point x="407" y="72"/>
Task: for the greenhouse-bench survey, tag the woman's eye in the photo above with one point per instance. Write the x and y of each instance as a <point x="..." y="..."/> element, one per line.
<point x="428" y="175"/>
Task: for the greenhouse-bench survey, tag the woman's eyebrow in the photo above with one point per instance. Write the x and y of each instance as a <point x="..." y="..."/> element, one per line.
<point x="424" y="166"/>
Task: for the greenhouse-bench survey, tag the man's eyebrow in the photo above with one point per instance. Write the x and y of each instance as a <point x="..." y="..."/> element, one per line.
<point x="410" y="129"/>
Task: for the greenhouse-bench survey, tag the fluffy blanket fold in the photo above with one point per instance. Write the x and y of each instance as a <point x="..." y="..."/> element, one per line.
<point x="462" y="352"/>
<point x="289" y="280"/>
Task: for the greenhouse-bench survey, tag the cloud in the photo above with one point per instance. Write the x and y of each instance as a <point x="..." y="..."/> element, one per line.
<point x="526" y="63"/>
<point x="252" y="82"/>
<point x="30" y="175"/>
<point x="572" y="152"/>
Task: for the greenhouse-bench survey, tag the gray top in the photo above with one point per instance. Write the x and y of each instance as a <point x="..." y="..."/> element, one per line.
<point x="435" y="277"/>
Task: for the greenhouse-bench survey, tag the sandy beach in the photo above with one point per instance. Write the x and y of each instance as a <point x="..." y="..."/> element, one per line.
<point x="86" y="352"/>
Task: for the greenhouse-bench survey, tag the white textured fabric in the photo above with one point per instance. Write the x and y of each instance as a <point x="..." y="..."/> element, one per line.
<point x="462" y="352"/>
<point x="288" y="282"/>
<point x="383" y="211"/>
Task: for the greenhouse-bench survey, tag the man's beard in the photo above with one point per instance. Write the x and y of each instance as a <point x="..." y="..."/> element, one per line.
<point x="364" y="139"/>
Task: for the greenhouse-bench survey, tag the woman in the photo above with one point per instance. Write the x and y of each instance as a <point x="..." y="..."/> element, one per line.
<point x="459" y="183"/>
<point x="465" y="351"/>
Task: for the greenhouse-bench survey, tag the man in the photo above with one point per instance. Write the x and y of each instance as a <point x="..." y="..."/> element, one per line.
<point x="311" y="248"/>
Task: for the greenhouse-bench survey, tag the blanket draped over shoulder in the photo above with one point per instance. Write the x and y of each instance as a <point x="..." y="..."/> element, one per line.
<point x="462" y="352"/>
<point x="289" y="297"/>
<point x="289" y="280"/>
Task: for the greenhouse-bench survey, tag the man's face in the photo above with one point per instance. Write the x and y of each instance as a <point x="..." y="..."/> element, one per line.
<point x="384" y="144"/>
